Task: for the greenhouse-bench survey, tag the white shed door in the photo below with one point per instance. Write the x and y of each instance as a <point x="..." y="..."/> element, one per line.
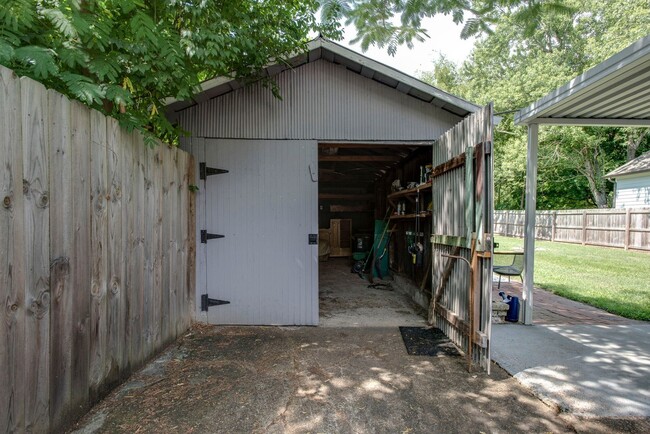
<point x="265" y="206"/>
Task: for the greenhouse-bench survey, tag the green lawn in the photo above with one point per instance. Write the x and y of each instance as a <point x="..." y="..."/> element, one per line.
<point x="611" y="279"/>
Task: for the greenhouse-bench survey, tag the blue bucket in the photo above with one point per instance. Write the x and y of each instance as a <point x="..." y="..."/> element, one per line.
<point x="513" y="310"/>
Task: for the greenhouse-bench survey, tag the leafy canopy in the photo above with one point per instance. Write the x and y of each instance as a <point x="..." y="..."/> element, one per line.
<point x="124" y="57"/>
<point x="514" y="66"/>
<point x="391" y="23"/>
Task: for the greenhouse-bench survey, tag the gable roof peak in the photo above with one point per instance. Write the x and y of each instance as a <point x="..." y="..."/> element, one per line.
<point x="322" y="48"/>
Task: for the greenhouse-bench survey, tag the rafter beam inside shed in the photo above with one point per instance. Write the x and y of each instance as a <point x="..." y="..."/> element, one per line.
<point x="351" y="208"/>
<point x="360" y="158"/>
<point x="350" y="145"/>
<point x="342" y="196"/>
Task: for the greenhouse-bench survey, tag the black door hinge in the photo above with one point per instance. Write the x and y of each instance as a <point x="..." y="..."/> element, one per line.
<point x="207" y="302"/>
<point x="205" y="171"/>
<point x="205" y="236"/>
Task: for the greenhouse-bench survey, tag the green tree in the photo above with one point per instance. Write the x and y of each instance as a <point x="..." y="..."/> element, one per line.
<point x="124" y="57"/>
<point x="391" y="23"/>
<point x="444" y="76"/>
<point x="515" y="65"/>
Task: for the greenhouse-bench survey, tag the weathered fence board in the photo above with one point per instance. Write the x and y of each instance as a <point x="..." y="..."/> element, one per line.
<point x="184" y="247"/>
<point x="190" y="290"/>
<point x="168" y="206"/>
<point x="95" y="234"/>
<point x="156" y="195"/>
<point x="115" y="251"/>
<point x="130" y="285"/>
<point x="196" y="147"/>
<point x="99" y="258"/>
<point x="174" y="310"/>
<point x="147" y="248"/>
<point x="80" y="265"/>
<point x="622" y="228"/>
<point x="37" y="258"/>
<point x="12" y="257"/>
<point x="61" y="243"/>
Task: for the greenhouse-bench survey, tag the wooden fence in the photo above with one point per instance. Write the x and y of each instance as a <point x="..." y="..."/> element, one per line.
<point x="96" y="254"/>
<point x="622" y="228"/>
<point x="461" y="232"/>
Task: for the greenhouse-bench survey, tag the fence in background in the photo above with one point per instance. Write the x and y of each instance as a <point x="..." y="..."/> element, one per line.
<point x="623" y="228"/>
<point x="96" y="254"/>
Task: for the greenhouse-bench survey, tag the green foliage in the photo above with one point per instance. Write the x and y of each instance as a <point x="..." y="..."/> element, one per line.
<point x="611" y="279"/>
<point x="391" y="23"/>
<point x="124" y="57"/>
<point x="444" y="76"/>
<point x="516" y="64"/>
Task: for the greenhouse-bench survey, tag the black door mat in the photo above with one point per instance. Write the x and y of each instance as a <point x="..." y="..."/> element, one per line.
<point x="421" y="341"/>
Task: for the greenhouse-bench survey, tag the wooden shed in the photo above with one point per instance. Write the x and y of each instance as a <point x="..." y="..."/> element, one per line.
<point x="275" y="171"/>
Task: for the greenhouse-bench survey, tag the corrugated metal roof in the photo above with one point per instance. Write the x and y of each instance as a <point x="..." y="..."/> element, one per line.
<point x="615" y="92"/>
<point x="321" y="48"/>
<point x="638" y="165"/>
<point x="320" y="101"/>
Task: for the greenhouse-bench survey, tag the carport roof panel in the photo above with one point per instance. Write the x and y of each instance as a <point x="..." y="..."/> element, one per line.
<point x="321" y="48"/>
<point x="614" y="92"/>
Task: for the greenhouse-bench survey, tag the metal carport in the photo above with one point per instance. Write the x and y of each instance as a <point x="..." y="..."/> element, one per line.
<point x="616" y="92"/>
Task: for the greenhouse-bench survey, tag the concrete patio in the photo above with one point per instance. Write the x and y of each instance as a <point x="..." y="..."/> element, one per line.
<point x="583" y="360"/>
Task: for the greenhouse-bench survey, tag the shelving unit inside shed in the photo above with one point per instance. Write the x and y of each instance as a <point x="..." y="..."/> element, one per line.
<point x="410" y="195"/>
<point x="357" y="207"/>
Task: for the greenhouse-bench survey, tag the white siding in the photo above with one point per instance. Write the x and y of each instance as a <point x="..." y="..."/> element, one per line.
<point x="320" y="101"/>
<point x="633" y="191"/>
<point x="265" y="206"/>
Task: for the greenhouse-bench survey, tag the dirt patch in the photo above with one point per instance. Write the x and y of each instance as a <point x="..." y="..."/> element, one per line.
<point x="345" y="300"/>
<point x="294" y="380"/>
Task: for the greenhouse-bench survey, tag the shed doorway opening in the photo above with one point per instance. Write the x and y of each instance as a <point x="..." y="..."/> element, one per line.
<point x="369" y="222"/>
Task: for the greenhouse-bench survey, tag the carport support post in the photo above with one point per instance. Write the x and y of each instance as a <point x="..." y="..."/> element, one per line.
<point x="529" y="235"/>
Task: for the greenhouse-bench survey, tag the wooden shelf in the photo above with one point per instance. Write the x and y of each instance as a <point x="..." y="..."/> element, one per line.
<point x="409" y="216"/>
<point x="408" y="193"/>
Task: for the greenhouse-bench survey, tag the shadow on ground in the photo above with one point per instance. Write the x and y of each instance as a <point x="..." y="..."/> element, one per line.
<point x="588" y="370"/>
<point x="294" y="380"/>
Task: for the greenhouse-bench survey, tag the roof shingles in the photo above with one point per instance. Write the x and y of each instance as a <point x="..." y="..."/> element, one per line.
<point x="638" y="165"/>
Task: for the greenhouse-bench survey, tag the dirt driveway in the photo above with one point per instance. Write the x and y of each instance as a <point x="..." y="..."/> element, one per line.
<point x="319" y="380"/>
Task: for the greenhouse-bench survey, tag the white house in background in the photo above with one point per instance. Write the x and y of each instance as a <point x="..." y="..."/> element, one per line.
<point x="632" y="183"/>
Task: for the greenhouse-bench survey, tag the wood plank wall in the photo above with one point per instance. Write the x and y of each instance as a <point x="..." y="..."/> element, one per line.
<point x="401" y="261"/>
<point x="96" y="254"/>
<point x="460" y="207"/>
<point x="622" y="228"/>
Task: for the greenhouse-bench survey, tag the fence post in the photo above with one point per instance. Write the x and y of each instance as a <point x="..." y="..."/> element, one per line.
<point x="584" y="227"/>
<point x="628" y="221"/>
<point x="553" y="225"/>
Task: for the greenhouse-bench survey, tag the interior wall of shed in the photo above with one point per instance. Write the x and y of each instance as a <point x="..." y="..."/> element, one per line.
<point x="401" y="261"/>
<point x="363" y="200"/>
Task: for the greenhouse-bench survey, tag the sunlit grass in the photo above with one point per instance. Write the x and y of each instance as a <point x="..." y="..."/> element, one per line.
<point x="611" y="279"/>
